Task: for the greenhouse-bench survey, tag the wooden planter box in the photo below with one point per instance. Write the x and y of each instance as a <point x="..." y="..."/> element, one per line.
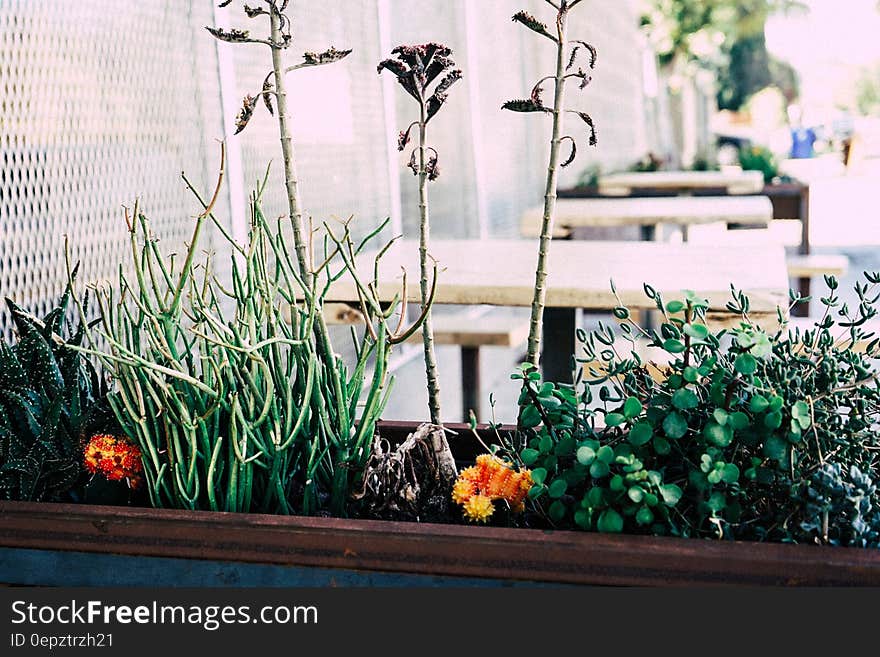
<point x="371" y="551"/>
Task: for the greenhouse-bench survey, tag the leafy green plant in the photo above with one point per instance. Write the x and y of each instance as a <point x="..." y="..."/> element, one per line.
<point x="759" y="158"/>
<point x="50" y="399"/>
<point x="568" y="52"/>
<point x="727" y="436"/>
<point x="649" y="163"/>
<point x="841" y="507"/>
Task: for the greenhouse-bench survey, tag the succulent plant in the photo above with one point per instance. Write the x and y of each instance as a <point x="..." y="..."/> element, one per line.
<point x="50" y="398"/>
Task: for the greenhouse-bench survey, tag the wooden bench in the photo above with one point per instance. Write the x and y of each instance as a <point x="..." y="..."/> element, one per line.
<point x="682" y="182"/>
<point x="808" y="266"/>
<point x="655" y="360"/>
<point x="470" y="333"/>
<point x="648" y="212"/>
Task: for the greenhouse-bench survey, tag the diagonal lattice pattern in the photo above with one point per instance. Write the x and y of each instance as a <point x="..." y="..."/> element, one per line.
<point x="98" y="107"/>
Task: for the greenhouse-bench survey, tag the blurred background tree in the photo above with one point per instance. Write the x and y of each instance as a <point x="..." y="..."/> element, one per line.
<point x="726" y="36"/>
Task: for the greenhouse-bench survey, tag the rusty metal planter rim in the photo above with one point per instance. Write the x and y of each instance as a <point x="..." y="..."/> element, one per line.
<point x="564" y="557"/>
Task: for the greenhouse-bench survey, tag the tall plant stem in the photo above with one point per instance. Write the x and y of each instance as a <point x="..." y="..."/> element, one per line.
<point x="424" y="239"/>
<point x="295" y="209"/>
<point x="540" y="294"/>
<point x="287" y="150"/>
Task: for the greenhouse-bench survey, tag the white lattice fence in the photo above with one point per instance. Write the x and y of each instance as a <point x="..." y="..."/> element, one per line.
<point x="102" y="102"/>
<point x="98" y="106"/>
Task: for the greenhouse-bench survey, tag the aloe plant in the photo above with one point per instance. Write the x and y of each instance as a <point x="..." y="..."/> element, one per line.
<point x="50" y="397"/>
<point x="568" y="53"/>
<point x="426" y="72"/>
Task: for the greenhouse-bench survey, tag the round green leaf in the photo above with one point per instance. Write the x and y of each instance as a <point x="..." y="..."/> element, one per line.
<point x="717" y="501"/>
<point x="529" y="456"/>
<point x="675" y="426"/>
<point x="557" y="511"/>
<point x="730" y="473"/>
<point x="595" y="497"/>
<point x="645" y="516"/>
<point x="691" y="374"/>
<point x="610" y="522"/>
<point x="662" y="446"/>
<point x="685" y="398"/>
<point x="673" y="307"/>
<point x="557" y="488"/>
<point x="718" y="435"/>
<point x="530" y="417"/>
<point x="545" y="444"/>
<point x="599" y="469"/>
<point x="720" y="416"/>
<point x="536" y="491"/>
<point x="605" y="454"/>
<point x="640" y="434"/>
<point x="582" y="518"/>
<point x="614" y="419"/>
<point x="636" y="494"/>
<point x="773" y="420"/>
<point x="539" y="476"/>
<point x="585" y="456"/>
<point x="697" y="331"/>
<point x="616" y="484"/>
<point x="670" y="493"/>
<point x="758" y="404"/>
<point x="632" y="408"/>
<point x="776" y="448"/>
<point x="738" y="421"/>
<point x="745" y="364"/>
<point x="674" y="346"/>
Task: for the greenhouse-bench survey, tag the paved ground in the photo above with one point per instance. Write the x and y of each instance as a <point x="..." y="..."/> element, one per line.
<point x="845" y="218"/>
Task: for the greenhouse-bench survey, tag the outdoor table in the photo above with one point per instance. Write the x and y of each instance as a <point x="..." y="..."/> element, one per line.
<point x="649" y="212"/>
<point x="682" y="182"/>
<point x="502" y="273"/>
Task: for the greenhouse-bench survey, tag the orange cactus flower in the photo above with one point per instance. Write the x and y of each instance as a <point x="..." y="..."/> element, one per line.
<point x="114" y="458"/>
<point x="479" y="508"/>
<point x="491" y="479"/>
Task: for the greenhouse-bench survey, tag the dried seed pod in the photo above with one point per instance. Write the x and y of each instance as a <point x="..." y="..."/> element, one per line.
<point x="327" y="57"/>
<point x="230" y="36"/>
<point x="245" y="113"/>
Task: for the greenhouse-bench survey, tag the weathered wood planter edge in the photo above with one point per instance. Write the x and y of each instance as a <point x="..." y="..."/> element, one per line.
<point x="452" y="551"/>
<point x="563" y="557"/>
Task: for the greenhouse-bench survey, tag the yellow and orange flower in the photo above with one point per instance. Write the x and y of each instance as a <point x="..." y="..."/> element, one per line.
<point x="491" y="479"/>
<point x="114" y="458"/>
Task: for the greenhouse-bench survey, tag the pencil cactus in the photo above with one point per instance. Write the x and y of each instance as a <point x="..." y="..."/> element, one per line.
<point x="574" y="58"/>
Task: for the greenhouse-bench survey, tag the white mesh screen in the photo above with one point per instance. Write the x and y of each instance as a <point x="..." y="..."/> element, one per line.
<point x="102" y="102"/>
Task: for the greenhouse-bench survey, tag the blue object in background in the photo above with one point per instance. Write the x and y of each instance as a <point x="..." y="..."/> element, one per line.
<point x="802" y="140"/>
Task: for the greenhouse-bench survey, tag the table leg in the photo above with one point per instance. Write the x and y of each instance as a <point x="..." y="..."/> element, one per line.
<point x="646" y="319"/>
<point x="470" y="382"/>
<point x="803" y="310"/>
<point x="559" y="343"/>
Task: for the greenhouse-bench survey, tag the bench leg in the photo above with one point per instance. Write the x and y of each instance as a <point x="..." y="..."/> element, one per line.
<point x="470" y="382"/>
<point x="649" y="234"/>
<point x="559" y="341"/>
